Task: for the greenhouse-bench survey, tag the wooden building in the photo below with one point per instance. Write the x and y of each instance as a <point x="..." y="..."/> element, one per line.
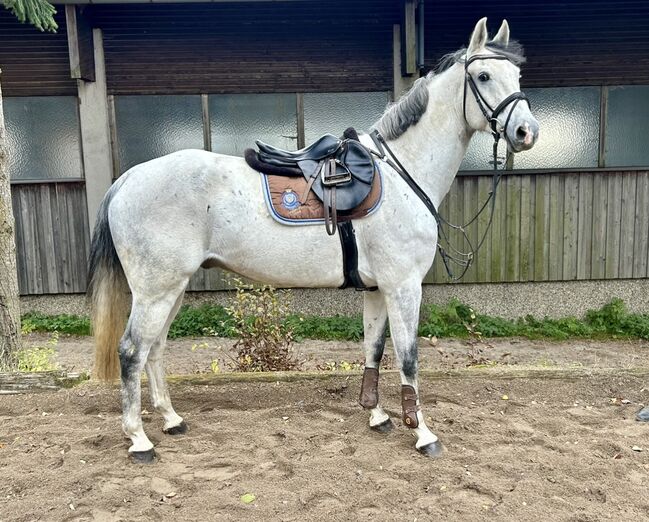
<point x="124" y="82"/>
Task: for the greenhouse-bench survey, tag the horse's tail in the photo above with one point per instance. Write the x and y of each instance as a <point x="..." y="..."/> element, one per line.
<point x="107" y="293"/>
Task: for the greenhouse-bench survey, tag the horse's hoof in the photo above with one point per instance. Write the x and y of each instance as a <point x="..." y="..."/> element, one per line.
<point x="433" y="450"/>
<point x="177" y="430"/>
<point x="142" y="457"/>
<point x="385" y="427"/>
<point x="643" y="415"/>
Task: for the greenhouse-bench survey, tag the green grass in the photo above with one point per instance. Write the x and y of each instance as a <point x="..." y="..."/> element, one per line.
<point x="611" y="321"/>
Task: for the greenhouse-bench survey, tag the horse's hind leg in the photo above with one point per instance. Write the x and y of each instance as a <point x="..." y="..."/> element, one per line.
<point x="403" y="308"/>
<point x="375" y="319"/>
<point x="146" y="323"/>
<point x="173" y="423"/>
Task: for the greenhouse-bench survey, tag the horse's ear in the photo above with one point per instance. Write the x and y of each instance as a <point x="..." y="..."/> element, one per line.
<point x="502" y="36"/>
<point x="478" y="38"/>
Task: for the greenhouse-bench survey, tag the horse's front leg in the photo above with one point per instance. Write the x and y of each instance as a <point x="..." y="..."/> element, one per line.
<point x="375" y="322"/>
<point x="403" y="305"/>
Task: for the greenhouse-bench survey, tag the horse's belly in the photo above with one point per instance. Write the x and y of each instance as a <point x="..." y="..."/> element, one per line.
<point x="261" y="249"/>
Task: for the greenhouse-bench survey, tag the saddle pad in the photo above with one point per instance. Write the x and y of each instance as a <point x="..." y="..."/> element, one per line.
<point x="282" y="195"/>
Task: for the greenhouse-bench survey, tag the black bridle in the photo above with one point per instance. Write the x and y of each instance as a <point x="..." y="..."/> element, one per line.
<point x="484" y="106"/>
<point x="462" y="259"/>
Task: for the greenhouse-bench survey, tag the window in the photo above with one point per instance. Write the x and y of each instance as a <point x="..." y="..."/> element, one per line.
<point x="333" y="112"/>
<point x="627" y="127"/>
<point x="237" y="120"/>
<point x="43" y="137"/>
<point x="569" y="138"/>
<point x="151" y="126"/>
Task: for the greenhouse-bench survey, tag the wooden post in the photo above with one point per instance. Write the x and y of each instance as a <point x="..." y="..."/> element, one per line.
<point x="80" y="45"/>
<point x="409" y="38"/>
<point x="95" y="132"/>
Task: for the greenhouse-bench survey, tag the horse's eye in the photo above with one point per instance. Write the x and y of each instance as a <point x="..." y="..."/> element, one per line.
<point x="483" y="77"/>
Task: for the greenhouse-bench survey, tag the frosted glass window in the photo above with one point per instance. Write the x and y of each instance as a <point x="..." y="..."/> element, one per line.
<point x="627" y="129"/>
<point x="479" y="155"/>
<point x="569" y="136"/>
<point x="333" y="112"/>
<point x="237" y="120"/>
<point x="151" y="126"/>
<point x="43" y="137"/>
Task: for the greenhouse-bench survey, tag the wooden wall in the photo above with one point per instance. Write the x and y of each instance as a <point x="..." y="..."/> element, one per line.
<point x="580" y="42"/>
<point x="248" y="47"/>
<point x="555" y="227"/>
<point x="52" y="237"/>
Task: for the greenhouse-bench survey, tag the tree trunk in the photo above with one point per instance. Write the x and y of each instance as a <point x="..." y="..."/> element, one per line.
<point x="9" y="304"/>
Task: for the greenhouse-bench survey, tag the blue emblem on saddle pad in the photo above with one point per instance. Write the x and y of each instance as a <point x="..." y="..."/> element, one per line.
<point x="290" y="201"/>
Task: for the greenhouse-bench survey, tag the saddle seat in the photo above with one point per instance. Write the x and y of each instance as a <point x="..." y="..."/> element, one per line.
<point x="339" y="171"/>
<point x="319" y="149"/>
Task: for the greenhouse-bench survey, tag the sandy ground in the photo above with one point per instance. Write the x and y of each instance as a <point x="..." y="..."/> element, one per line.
<point x="555" y="449"/>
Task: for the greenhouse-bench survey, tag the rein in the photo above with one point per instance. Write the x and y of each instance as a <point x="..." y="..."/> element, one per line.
<point x="459" y="258"/>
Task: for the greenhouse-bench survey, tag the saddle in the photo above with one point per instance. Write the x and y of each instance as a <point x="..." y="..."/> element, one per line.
<point x="339" y="171"/>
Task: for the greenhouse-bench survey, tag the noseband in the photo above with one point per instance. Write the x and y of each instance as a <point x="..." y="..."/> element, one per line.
<point x="491" y="115"/>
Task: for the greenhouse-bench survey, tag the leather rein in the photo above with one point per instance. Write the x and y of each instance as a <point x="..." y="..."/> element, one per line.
<point x="462" y="259"/>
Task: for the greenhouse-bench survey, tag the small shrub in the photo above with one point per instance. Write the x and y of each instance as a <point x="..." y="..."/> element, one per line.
<point x="39" y="358"/>
<point x="258" y="314"/>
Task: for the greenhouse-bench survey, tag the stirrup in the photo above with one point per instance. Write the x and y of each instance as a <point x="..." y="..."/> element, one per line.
<point x="330" y="176"/>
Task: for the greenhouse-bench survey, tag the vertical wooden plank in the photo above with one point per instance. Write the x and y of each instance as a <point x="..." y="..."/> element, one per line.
<point x="16" y="201"/>
<point x="627" y="224"/>
<point x="28" y="203"/>
<point x="197" y="281"/>
<point x="471" y="206"/>
<point x="81" y="232"/>
<point x="498" y="229"/>
<point x="612" y="266"/>
<point x="65" y="259"/>
<point x="541" y="227"/>
<point x="555" y="247"/>
<point x="641" y="226"/>
<point x="483" y="261"/>
<point x="45" y="239"/>
<point x="513" y="228"/>
<point x="570" y="226"/>
<point x="527" y="229"/>
<point x="600" y="217"/>
<point x="585" y="226"/>
<point x="456" y="217"/>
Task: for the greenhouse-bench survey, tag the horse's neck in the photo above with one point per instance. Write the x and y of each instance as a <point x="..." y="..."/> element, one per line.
<point x="433" y="149"/>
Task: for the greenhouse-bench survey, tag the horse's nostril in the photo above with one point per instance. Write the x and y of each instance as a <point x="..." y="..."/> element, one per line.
<point x="521" y="133"/>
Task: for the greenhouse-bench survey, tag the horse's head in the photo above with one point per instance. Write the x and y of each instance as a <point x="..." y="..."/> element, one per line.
<point x="492" y="98"/>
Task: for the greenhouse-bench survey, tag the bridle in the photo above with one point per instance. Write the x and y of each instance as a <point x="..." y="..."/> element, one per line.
<point x="483" y="104"/>
<point x="462" y="259"/>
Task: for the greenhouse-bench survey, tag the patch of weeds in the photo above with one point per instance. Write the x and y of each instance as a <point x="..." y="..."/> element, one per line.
<point x="63" y="324"/>
<point x="258" y="314"/>
<point x="207" y="319"/>
<point x="336" y="328"/>
<point x="39" y="358"/>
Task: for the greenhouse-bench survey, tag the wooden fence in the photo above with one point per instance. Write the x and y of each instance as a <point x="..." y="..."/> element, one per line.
<point x="546" y="227"/>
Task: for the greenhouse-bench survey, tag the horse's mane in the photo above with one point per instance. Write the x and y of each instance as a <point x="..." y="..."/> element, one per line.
<point x="408" y="110"/>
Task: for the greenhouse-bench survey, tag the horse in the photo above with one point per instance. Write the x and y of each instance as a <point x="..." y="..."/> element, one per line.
<point x="163" y="219"/>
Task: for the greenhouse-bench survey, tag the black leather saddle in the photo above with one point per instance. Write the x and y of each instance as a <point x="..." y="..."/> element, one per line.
<point x="340" y="171"/>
